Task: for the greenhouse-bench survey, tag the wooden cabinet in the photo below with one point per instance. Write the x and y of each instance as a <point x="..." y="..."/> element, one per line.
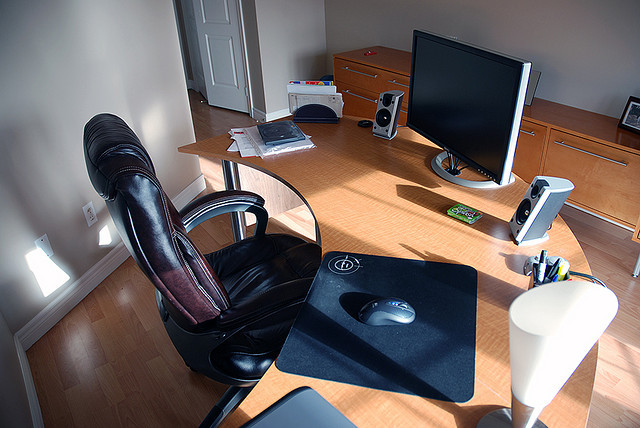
<point x="530" y="149"/>
<point x="606" y="178"/>
<point x="602" y="160"/>
<point x="361" y="76"/>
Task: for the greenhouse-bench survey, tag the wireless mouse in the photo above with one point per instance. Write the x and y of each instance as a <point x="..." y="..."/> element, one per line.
<point x="387" y="311"/>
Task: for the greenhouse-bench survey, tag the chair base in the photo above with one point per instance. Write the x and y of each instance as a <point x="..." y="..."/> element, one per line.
<point x="232" y="397"/>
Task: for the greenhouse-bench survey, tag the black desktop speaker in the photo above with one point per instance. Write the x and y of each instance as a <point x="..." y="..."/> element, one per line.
<point x="539" y="208"/>
<point x="386" y="120"/>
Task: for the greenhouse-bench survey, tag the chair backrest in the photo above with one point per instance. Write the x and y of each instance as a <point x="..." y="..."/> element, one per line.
<point x="122" y="173"/>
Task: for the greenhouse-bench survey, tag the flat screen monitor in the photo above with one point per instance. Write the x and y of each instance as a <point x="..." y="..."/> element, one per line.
<point x="469" y="101"/>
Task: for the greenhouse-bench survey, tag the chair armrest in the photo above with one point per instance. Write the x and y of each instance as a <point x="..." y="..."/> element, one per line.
<point x="272" y="301"/>
<point x="227" y="201"/>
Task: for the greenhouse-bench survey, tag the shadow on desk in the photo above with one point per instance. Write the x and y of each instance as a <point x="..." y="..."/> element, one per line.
<point x="500" y="294"/>
<point x="492" y="226"/>
<point x="327" y="335"/>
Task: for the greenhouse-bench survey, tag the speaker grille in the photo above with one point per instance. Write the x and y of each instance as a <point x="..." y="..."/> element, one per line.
<point x="523" y="211"/>
<point x="383" y="117"/>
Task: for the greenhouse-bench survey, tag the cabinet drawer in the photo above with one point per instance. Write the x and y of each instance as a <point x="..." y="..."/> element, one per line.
<point x="529" y="151"/>
<point x="396" y="82"/>
<point x="362" y="103"/>
<point x="605" y="178"/>
<point x="393" y="81"/>
<point x="354" y="74"/>
<point x="357" y="101"/>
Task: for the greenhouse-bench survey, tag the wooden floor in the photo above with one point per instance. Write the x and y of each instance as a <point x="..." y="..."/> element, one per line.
<point x="110" y="363"/>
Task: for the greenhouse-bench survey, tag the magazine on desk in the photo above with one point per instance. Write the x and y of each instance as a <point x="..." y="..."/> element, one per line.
<point x="249" y="143"/>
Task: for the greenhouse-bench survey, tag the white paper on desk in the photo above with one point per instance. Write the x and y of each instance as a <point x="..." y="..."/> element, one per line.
<point x="253" y="136"/>
<point x="242" y="143"/>
<point x="310" y="89"/>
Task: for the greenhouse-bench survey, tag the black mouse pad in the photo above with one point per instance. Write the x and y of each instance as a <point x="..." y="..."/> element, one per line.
<point x="433" y="357"/>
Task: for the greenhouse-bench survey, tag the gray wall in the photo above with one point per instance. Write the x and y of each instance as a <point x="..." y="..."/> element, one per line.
<point x="14" y="406"/>
<point x="63" y="62"/>
<point x="292" y="46"/>
<point x="587" y="50"/>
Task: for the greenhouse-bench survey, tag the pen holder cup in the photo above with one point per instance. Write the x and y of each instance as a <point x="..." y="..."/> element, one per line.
<point x="534" y="283"/>
<point x="556" y="269"/>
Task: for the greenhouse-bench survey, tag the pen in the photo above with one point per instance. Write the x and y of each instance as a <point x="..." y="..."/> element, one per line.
<point x="542" y="267"/>
<point x="562" y="271"/>
<point x="553" y="272"/>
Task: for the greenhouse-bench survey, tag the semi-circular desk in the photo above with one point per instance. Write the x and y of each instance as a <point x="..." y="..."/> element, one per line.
<point x="375" y="196"/>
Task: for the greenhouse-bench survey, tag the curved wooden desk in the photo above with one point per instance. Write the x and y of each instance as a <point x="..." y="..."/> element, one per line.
<point x="370" y="195"/>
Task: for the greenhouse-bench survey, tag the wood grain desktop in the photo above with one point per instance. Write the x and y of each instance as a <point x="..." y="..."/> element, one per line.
<point x="110" y="363"/>
<point x="380" y="197"/>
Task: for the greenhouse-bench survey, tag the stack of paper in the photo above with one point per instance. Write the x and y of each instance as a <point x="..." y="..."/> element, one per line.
<point x="308" y="87"/>
<point x="323" y="92"/>
<point x="249" y="143"/>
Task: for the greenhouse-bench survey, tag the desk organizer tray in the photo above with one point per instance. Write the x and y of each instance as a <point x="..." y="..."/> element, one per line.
<point x="432" y="357"/>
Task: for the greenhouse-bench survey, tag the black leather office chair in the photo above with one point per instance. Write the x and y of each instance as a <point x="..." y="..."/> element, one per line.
<point x="228" y="312"/>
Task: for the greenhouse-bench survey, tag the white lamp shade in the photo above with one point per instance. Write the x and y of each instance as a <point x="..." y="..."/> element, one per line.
<point x="551" y="329"/>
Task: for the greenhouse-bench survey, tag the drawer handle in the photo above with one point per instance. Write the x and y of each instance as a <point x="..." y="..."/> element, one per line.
<point x="373" y="76"/>
<point x="360" y="96"/>
<point x="533" y="134"/>
<point x="617" y="162"/>
<point x="395" y="82"/>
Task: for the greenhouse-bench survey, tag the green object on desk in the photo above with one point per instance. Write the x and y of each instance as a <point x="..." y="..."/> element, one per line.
<point x="464" y="213"/>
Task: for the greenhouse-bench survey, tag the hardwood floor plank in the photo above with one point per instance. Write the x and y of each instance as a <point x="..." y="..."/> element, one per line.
<point x="110" y="363"/>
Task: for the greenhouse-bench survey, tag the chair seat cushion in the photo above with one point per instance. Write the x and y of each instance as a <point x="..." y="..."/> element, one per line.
<point x="247" y="269"/>
<point x="253" y="265"/>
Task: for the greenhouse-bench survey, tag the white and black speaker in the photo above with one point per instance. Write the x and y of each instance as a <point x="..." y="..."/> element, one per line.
<point x="386" y="121"/>
<point x="539" y="208"/>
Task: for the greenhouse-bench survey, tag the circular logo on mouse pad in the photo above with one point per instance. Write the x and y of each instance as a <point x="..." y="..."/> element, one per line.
<point x="344" y="265"/>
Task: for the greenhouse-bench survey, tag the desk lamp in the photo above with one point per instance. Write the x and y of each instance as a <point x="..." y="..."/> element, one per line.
<point x="551" y="329"/>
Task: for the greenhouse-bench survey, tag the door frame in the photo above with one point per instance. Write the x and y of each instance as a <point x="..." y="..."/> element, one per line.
<point x="182" y="22"/>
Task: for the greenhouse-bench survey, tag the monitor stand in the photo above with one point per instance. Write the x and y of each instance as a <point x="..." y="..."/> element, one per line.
<point x="436" y="165"/>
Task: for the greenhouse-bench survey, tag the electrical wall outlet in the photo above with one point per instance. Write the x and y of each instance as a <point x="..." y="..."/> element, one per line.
<point x="90" y="214"/>
<point x="44" y="244"/>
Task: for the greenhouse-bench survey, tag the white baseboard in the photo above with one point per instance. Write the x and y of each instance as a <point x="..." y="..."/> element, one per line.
<point x="278" y="115"/>
<point x="71" y="296"/>
<point x="189" y="192"/>
<point x="258" y="115"/>
<point x="599" y="216"/>
<point x="32" y="396"/>
<point x="261" y="116"/>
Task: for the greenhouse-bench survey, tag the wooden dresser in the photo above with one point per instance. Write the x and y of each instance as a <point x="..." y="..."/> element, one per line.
<point x="361" y="76"/>
<point x="602" y="160"/>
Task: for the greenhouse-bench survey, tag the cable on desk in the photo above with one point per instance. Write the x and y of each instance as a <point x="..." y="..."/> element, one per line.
<point x="591" y="277"/>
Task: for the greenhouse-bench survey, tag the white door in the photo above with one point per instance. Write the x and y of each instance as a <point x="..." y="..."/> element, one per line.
<point x="219" y="36"/>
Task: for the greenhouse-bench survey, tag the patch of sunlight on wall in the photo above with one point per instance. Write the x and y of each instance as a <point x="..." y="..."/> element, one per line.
<point x="49" y="275"/>
<point x="104" y="237"/>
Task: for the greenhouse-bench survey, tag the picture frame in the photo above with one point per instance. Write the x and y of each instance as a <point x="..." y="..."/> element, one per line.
<point x="630" y="119"/>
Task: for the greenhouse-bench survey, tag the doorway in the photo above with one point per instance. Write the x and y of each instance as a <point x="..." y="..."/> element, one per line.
<point x="211" y="36"/>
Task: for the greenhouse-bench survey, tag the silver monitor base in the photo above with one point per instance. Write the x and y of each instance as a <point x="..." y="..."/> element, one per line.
<point x="436" y="165"/>
<point x="502" y="419"/>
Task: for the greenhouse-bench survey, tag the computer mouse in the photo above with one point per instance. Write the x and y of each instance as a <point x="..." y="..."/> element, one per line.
<point x="387" y="311"/>
<point x="365" y="124"/>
